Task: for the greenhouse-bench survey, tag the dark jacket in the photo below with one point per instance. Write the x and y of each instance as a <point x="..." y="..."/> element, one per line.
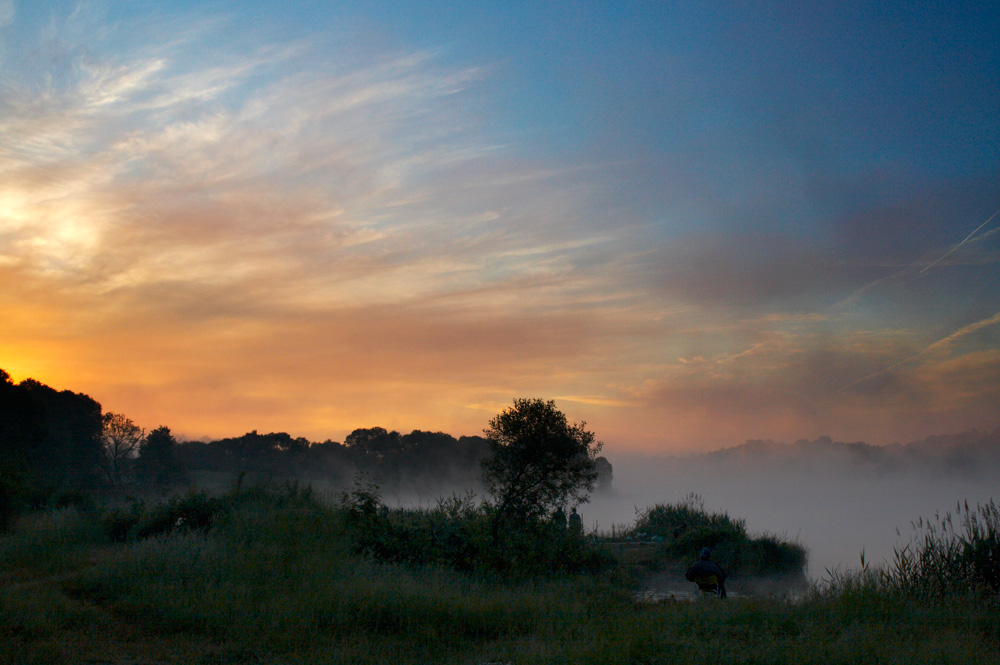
<point x="704" y="569"/>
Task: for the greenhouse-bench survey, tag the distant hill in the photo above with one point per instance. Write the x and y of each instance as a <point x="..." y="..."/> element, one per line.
<point x="968" y="454"/>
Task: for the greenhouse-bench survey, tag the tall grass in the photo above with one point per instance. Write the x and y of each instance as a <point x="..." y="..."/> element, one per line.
<point x="956" y="555"/>
<point x="282" y="572"/>
<point x="277" y="577"/>
<point x="50" y="542"/>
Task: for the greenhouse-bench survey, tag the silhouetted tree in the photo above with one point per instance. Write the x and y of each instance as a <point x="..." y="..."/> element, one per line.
<point x="157" y="462"/>
<point x="20" y="430"/>
<point x="121" y="438"/>
<point x="538" y="462"/>
<point x="374" y="443"/>
<point x="51" y="437"/>
<point x="72" y="443"/>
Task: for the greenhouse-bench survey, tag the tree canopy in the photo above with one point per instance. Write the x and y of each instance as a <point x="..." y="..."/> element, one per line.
<point x="539" y="462"/>
<point x="121" y="439"/>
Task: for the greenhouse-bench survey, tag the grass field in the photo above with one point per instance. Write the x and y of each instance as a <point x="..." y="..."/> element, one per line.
<point x="274" y="577"/>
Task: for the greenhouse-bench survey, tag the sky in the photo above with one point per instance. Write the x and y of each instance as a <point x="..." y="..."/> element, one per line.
<point x="688" y="224"/>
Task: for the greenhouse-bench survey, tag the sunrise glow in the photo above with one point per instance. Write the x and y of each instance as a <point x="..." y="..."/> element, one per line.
<point x="687" y="227"/>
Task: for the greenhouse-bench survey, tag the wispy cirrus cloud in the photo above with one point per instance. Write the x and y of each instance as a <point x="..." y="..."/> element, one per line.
<point x="288" y="173"/>
<point x="316" y="230"/>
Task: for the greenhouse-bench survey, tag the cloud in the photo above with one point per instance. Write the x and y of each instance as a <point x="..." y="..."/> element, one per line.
<point x="279" y="177"/>
<point x="8" y="12"/>
<point x="201" y="225"/>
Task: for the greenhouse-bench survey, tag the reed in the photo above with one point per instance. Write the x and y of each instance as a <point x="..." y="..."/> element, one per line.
<point x="952" y="556"/>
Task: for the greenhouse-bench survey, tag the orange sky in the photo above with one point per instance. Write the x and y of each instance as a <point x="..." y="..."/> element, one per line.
<point x="311" y="234"/>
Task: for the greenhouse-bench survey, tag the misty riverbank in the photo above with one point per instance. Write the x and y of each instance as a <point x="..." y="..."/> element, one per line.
<point x="836" y="511"/>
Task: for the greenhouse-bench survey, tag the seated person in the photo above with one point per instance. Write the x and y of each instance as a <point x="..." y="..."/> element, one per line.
<point x="708" y="575"/>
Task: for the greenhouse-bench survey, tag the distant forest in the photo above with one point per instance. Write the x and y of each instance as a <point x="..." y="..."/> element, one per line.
<point x="53" y="442"/>
<point x="56" y="441"/>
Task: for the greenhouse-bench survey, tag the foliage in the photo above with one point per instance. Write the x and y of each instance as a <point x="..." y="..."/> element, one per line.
<point x="405" y="464"/>
<point x="194" y="511"/>
<point x="940" y="562"/>
<point x="685" y="528"/>
<point x="274" y="579"/>
<point x="450" y="534"/>
<point x="48" y="438"/>
<point x="157" y="461"/>
<point x="12" y="490"/>
<point x="538" y="464"/>
<point x="120" y="439"/>
<point x="51" y="541"/>
<point x="455" y="534"/>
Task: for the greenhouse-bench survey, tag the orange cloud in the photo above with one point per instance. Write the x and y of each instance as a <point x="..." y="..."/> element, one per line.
<point x="281" y="241"/>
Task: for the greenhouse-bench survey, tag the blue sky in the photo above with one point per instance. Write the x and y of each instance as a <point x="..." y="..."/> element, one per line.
<point x="690" y="224"/>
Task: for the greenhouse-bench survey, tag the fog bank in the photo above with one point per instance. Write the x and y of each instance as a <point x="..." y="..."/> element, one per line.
<point x="838" y="500"/>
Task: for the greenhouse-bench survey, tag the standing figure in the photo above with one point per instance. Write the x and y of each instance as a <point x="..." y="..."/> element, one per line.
<point x="575" y="523"/>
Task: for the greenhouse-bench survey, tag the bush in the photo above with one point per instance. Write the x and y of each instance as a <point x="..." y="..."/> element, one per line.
<point x="194" y="511"/>
<point x="50" y="541"/>
<point x="672" y="521"/>
<point x="118" y="522"/>
<point x="686" y="527"/>
<point x="456" y="534"/>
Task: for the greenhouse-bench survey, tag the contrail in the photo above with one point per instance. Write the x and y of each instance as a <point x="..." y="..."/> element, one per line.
<point x="960" y="244"/>
<point x="859" y="292"/>
<point x="941" y="343"/>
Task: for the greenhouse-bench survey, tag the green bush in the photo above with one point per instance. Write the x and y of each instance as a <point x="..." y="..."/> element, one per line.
<point x="456" y="534"/>
<point x="671" y="521"/>
<point x="685" y="528"/>
<point x="192" y="512"/>
<point x="50" y="541"/>
<point x="119" y="521"/>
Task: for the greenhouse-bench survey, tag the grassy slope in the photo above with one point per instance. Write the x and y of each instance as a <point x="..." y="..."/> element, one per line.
<point x="277" y="584"/>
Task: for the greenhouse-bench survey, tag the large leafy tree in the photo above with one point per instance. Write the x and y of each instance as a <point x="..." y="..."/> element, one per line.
<point x="539" y="462"/>
<point x="51" y="438"/>
<point x="121" y="438"/>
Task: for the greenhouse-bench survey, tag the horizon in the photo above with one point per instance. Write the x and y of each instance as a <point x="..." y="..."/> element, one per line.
<point x="626" y="453"/>
<point x="688" y="226"/>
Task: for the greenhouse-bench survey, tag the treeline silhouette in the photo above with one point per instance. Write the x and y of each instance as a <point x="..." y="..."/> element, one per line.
<point x="48" y="439"/>
<point x="402" y="464"/>
<point x="56" y="446"/>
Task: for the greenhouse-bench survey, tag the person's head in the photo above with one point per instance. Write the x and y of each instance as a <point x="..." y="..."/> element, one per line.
<point x="706" y="554"/>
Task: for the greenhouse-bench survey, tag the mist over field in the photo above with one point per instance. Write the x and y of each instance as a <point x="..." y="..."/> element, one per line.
<point x="836" y="499"/>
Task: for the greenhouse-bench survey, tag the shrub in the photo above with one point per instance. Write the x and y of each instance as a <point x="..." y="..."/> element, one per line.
<point x="456" y="534"/>
<point x="671" y="521"/>
<point x="194" y="511"/>
<point x="119" y="521"/>
<point x="685" y="528"/>
<point x="50" y="541"/>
